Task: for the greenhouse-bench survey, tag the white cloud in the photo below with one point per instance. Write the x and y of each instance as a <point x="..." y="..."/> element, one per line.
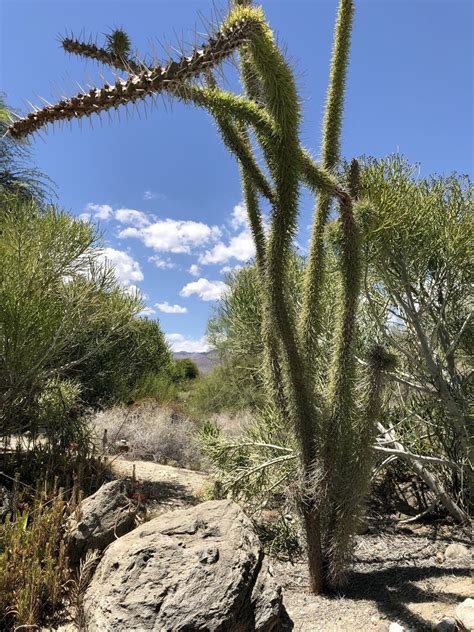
<point x="99" y="211"/>
<point x="131" y="216"/>
<point x="205" y="289"/>
<point x="227" y="269"/>
<point x="147" y="312"/>
<point x="178" y="342"/>
<point x="239" y="217"/>
<point x="125" y="266"/>
<point x="149" y="195"/>
<point x="240" y="247"/>
<point x="175" y="236"/>
<point x="171" y="309"/>
<point x="85" y="217"/>
<point x="160" y="263"/>
<point x="194" y="270"/>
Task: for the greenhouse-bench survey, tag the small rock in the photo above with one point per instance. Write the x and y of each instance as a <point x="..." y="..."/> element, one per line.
<point x="395" y="627"/>
<point x="464" y="613"/>
<point x="456" y="552"/>
<point x="103" y="517"/>
<point x="447" y="624"/>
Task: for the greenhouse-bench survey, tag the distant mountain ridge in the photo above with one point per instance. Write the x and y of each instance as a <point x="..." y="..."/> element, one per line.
<point x="205" y="360"/>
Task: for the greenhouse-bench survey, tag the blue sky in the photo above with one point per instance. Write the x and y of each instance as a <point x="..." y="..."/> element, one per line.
<point x="162" y="187"/>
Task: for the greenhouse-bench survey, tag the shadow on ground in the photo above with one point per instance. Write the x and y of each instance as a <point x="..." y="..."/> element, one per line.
<point x="393" y="588"/>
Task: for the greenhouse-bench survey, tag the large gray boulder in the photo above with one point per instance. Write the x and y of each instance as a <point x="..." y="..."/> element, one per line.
<point x="193" y="569"/>
<point x="102" y="518"/>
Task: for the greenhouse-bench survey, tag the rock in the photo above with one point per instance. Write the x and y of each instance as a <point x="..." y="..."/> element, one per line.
<point x="464" y="613"/>
<point x="447" y="624"/>
<point x="103" y="517"/>
<point x="200" y="568"/>
<point x="391" y="627"/>
<point x="456" y="552"/>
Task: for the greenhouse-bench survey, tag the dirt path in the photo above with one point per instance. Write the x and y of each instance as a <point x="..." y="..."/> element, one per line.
<point x="166" y="487"/>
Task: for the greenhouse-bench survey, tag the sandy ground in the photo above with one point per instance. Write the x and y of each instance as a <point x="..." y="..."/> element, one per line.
<point x="396" y="577"/>
<point x="399" y="573"/>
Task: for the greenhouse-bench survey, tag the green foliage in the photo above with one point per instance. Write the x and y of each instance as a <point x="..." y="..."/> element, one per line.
<point x="228" y="388"/>
<point x="418" y="247"/>
<point x="158" y="386"/>
<point x="115" y="371"/>
<point x="53" y="295"/>
<point x="118" y="43"/>
<point x="182" y="370"/>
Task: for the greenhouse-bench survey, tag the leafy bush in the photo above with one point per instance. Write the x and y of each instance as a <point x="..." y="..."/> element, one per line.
<point x="52" y="297"/>
<point x="157" y="386"/>
<point x="116" y="372"/>
<point x="183" y="369"/>
<point x="228" y="388"/>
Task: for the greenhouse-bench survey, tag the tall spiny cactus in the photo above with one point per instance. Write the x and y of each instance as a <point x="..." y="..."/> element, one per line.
<point x="329" y="430"/>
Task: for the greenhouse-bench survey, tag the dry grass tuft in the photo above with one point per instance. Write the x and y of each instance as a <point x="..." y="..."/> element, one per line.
<point x="150" y="432"/>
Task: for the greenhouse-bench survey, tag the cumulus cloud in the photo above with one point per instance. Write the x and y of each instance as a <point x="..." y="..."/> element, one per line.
<point x="227" y="269"/>
<point x="126" y="268"/>
<point x="205" y="289"/>
<point x="178" y="342"/>
<point x="171" y="309"/>
<point x="240" y="247"/>
<point x="175" y="236"/>
<point x="147" y="312"/>
<point x="98" y="211"/>
<point x="160" y="263"/>
<point x="132" y="217"/>
<point x="149" y="195"/>
<point x="194" y="270"/>
<point x="239" y="217"/>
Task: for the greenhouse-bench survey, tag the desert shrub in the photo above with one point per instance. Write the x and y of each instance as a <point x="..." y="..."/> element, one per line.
<point x="228" y="388"/>
<point x="53" y="295"/>
<point x="183" y="369"/>
<point x="417" y="244"/>
<point x="34" y="573"/>
<point x="118" y="370"/>
<point x="152" y="432"/>
<point x="157" y="386"/>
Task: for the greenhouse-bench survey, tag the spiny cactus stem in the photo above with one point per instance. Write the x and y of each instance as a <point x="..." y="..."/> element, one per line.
<point x="92" y="51"/>
<point x="146" y="83"/>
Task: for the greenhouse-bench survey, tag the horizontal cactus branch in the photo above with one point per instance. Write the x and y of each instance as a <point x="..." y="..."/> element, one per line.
<point x="92" y="51"/>
<point x="147" y="82"/>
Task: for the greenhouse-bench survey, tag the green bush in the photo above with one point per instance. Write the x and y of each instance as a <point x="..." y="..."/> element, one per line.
<point x="182" y="370"/>
<point x="156" y="386"/>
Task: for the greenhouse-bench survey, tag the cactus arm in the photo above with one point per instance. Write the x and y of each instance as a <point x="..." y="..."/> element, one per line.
<point x="319" y="180"/>
<point x="109" y="58"/>
<point x="148" y="82"/>
<point x="314" y="276"/>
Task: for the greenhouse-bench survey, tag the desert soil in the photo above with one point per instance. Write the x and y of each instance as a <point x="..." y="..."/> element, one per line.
<point x="399" y="572"/>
